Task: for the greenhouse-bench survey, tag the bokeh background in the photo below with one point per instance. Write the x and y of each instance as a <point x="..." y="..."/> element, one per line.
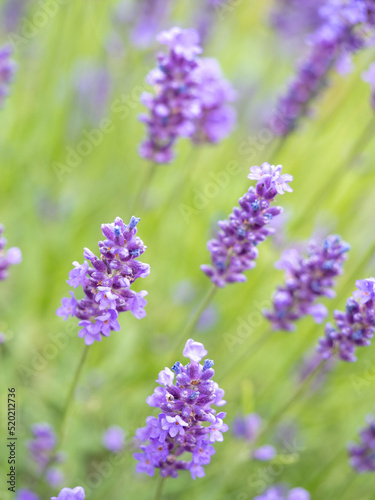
<point x="72" y="74"/>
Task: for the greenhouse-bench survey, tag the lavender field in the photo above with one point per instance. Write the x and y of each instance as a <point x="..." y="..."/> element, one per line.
<point x="187" y="250"/>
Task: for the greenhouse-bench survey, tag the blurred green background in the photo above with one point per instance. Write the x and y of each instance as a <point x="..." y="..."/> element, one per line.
<point x="51" y="218"/>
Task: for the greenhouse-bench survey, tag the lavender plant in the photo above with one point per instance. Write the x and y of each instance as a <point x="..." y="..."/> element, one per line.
<point x="353" y="328"/>
<point x="362" y="455"/>
<point x="11" y="257"/>
<point x="306" y="280"/>
<point x="187" y="423"/>
<point x="107" y="284"/>
<point x="234" y="250"/>
<point x="191" y="98"/>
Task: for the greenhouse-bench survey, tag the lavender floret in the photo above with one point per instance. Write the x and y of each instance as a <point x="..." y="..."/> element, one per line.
<point x="107" y="284"/>
<point x="353" y="328"/>
<point x="187" y="423"/>
<point x="234" y="250"/>
<point x="306" y="280"/>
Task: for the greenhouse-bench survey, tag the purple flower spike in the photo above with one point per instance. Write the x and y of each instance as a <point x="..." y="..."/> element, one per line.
<point x="187" y="423"/>
<point x="362" y="455"/>
<point x="7" y="69"/>
<point x="353" y="328"/>
<point x="42" y="446"/>
<point x="43" y="452"/>
<point x="191" y="98"/>
<point x="13" y="255"/>
<point x="107" y="284"/>
<point x="235" y="248"/>
<point x="343" y="28"/>
<point x="306" y="280"/>
<point x="114" y="439"/>
<point x="77" y="493"/>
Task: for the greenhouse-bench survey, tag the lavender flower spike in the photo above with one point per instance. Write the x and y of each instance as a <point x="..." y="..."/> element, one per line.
<point x="353" y="328"/>
<point x="307" y="279"/>
<point x="235" y="248"/>
<point x="187" y="423"/>
<point x="11" y="257"/>
<point x="362" y="455"/>
<point x="342" y="30"/>
<point x="107" y="284"/>
<point x="7" y="69"/>
<point x="191" y="98"/>
<point x="77" y="493"/>
<point x="176" y="103"/>
<point x="43" y="452"/>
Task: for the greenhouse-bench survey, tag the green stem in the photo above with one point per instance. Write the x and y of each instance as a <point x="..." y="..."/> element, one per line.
<point x="250" y="352"/>
<point x="191" y="324"/>
<point x="301" y="389"/>
<point x="141" y="196"/>
<point x="159" y="488"/>
<point x="69" y="398"/>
